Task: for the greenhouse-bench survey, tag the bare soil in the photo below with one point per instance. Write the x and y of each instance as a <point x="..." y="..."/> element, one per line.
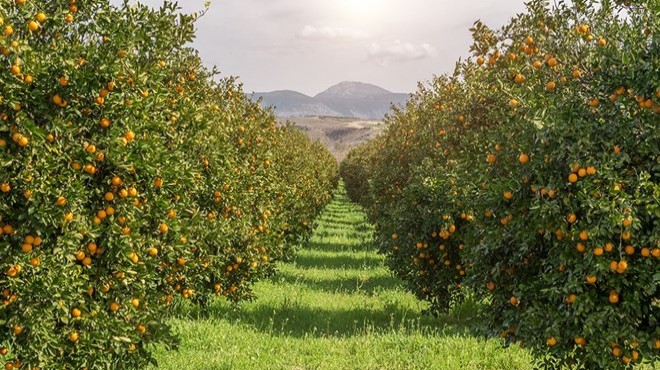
<point x="338" y="134"/>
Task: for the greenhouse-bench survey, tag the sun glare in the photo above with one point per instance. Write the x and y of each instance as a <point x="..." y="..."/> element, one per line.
<point x="360" y="8"/>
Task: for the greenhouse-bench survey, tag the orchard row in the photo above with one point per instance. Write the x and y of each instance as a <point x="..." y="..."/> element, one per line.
<point x="531" y="177"/>
<point x="131" y="177"/>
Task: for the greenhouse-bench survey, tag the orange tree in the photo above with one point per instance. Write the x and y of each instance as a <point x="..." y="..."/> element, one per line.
<point x="531" y="176"/>
<point x="129" y="178"/>
<point x="354" y="171"/>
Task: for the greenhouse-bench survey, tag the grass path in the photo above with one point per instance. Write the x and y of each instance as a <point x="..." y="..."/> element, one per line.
<point x="335" y="307"/>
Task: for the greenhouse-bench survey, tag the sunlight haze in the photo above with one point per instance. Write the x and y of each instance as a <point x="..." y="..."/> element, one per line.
<point x="310" y="45"/>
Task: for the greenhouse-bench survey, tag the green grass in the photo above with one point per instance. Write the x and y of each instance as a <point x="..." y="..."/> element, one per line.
<point x="335" y="307"/>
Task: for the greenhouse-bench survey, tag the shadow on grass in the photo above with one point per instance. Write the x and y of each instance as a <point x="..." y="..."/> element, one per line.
<point x="293" y="319"/>
<point x="339" y="261"/>
<point x="340" y="247"/>
<point x="343" y="285"/>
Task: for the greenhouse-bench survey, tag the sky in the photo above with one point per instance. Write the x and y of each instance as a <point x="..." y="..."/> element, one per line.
<point x="309" y="45"/>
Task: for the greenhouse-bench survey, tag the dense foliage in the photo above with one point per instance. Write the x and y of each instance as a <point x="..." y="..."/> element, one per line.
<point x="131" y="176"/>
<point x="531" y="176"/>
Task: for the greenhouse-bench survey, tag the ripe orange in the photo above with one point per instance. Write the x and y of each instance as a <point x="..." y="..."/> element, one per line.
<point x="514" y="301"/>
<point x="584" y="235"/>
<point x="622" y="266"/>
<point x="523" y="159"/>
<point x="572" y="178"/>
<point x="491" y="159"/>
<point x="591" y="279"/>
<point x="41" y="17"/>
<point x="551" y="341"/>
<point x="508" y="195"/>
<point x="114" y="306"/>
<point x="73" y="337"/>
<point x="614" y="297"/>
<point x="572" y="218"/>
<point x="76" y="313"/>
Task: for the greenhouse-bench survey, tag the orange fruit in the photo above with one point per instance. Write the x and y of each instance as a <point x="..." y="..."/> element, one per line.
<point x="572" y="178"/>
<point x="622" y="266"/>
<point x="614" y="297"/>
<point x="523" y="158"/>
<point x="609" y="247"/>
<point x="491" y="159"/>
<point x="591" y="279"/>
<point x="551" y="341"/>
<point x="598" y="251"/>
<point x="129" y="136"/>
<point x="572" y="218"/>
<point x="584" y="235"/>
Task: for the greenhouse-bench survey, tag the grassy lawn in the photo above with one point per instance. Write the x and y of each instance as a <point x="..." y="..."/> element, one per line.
<point x="335" y="307"/>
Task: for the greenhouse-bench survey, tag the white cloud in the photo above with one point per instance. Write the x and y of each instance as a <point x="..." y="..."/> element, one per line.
<point x="331" y="33"/>
<point x="398" y="51"/>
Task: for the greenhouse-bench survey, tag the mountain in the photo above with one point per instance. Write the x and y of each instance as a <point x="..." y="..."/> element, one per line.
<point x="346" y="99"/>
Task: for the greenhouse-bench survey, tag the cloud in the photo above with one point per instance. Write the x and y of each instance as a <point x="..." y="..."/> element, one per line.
<point x="329" y="33"/>
<point x="397" y="51"/>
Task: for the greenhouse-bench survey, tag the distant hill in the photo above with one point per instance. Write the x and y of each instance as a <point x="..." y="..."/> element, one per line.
<point x="346" y="99"/>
